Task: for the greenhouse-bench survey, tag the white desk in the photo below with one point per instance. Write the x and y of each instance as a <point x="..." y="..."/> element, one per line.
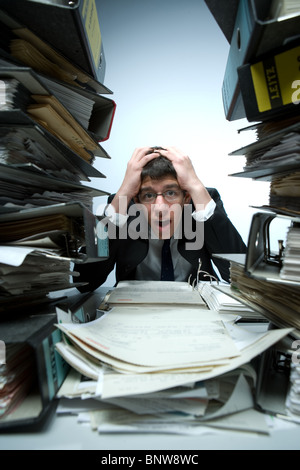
<point x="64" y="433"/>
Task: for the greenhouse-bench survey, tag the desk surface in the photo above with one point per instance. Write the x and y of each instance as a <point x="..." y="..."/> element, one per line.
<point x="65" y="433"/>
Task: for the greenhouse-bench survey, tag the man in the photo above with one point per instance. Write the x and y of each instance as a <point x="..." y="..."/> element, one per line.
<point x="161" y="198"/>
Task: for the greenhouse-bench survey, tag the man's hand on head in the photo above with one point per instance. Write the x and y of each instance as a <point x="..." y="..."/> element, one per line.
<point x="186" y="175"/>
<point x="132" y="180"/>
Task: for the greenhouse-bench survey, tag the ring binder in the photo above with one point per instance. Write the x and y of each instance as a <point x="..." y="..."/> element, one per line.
<point x="76" y="34"/>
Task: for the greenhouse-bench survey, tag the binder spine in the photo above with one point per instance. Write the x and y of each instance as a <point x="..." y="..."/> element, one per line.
<point x="270" y="87"/>
<point x="53" y="369"/>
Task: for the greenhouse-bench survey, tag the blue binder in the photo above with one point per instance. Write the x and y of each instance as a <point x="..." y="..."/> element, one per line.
<point x="254" y="34"/>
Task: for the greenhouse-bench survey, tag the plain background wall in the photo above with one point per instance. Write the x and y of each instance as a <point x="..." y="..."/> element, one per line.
<point x="165" y="63"/>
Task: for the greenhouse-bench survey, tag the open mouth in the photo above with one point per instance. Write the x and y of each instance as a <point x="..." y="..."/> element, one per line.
<point x="163" y="228"/>
<point x="163" y="223"/>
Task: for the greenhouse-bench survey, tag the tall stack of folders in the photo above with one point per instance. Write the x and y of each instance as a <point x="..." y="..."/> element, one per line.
<point x="55" y="112"/>
<point x="262" y="84"/>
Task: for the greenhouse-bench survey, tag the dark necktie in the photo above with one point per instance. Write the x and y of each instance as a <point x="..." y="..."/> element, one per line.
<point x="167" y="271"/>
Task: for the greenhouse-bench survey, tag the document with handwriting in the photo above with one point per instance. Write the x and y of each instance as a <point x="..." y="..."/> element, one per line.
<point x="168" y="338"/>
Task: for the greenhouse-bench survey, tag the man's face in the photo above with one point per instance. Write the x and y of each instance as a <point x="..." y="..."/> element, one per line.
<point x="163" y="211"/>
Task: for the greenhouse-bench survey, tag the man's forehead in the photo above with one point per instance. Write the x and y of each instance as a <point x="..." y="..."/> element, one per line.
<point x="167" y="182"/>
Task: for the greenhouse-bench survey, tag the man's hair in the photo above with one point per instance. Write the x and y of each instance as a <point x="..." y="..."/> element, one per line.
<point x="158" y="168"/>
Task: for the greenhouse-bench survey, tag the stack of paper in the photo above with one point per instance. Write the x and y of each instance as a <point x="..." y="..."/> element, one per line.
<point x="293" y="396"/>
<point x="219" y="297"/>
<point x="284" y="150"/>
<point x="280" y="305"/>
<point x="285" y="193"/>
<point x="52" y="115"/>
<point x="276" y="150"/>
<point x="291" y="255"/>
<point x="26" y="147"/>
<point x="154" y="293"/>
<point x="225" y="402"/>
<point x="161" y="364"/>
<point x="167" y="401"/>
<point x="27" y="189"/>
<point x="13" y="95"/>
<point x="132" y="340"/>
<point x="80" y="106"/>
<point x="16" y="377"/>
<point x="28" y="274"/>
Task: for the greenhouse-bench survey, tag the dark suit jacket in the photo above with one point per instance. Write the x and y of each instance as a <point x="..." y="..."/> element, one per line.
<point x="220" y="236"/>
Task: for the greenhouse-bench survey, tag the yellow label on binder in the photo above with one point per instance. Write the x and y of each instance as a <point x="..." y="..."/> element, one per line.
<point x="92" y="27"/>
<point x="273" y="79"/>
<point x="260" y="87"/>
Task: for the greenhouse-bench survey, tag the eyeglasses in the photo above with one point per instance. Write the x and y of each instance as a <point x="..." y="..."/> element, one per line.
<point x="171" y="195"/>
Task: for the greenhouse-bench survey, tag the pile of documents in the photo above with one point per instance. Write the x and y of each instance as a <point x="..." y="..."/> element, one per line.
<point x="280" y="305"/>
<point x="282" y="150"/>
<point x="219" y="297"/>
<point x="153" y="364"/>
<point x="16" y="377"/>
<point x="28" y="274"/>
<point x="285" y="193"/>
<point x="13" y="95"/>
<point x="293" y="396"/>
<point x="291" y="258"/>
<point x="275" y="152"/>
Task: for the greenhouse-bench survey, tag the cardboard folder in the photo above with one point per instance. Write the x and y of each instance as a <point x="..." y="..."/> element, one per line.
<point x="103" y="111"/>
<point x="51" y="114"/>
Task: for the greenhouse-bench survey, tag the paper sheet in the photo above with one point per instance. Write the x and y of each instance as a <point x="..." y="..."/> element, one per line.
<point x="155" y="292"/>
<point x="171" y="338"/>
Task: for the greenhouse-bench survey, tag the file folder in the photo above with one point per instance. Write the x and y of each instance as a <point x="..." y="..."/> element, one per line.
<point x="70" y="27"/>
<point x="37" y="331"/>
<point x="19" y="122"/>
<point x="102" y="108"/>
<point x="263" y="144"/>
<point x="20" y="46"/>
<point x="44" y="100"/>
<point x="34" y="181"/>
<point x="103" y="111"/>
<point x="70" y="225"/>
<point x="224" y="13"/>
<point x="253" y="35"/>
